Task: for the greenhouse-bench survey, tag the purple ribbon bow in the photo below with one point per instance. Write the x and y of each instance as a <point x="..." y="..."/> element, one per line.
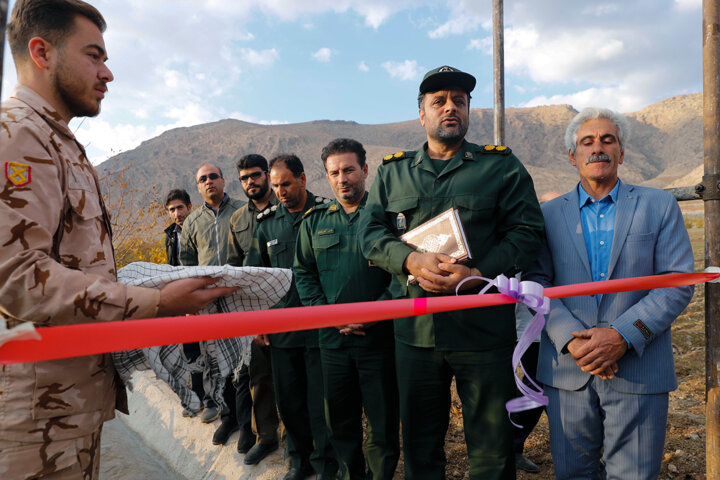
<point x="531" y="295"/>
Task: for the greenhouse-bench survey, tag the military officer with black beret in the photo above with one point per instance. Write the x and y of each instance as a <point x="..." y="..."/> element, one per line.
<point x="498" y="208"/>
<point x="295" y="356"/>
<point x="358" y="360"/>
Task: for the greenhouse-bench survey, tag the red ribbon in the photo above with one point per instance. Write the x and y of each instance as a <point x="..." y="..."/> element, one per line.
<point x="92" y="338"/>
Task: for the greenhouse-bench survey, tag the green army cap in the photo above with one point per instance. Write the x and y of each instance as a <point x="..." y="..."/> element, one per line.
<point x="443" y="77"/>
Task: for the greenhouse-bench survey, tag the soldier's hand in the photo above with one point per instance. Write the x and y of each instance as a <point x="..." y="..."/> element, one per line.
<point x="262" y="340"/>
<point x="354" y="329"/>
<point x="416" y="262"/>
<point x="189" y="295"/>
<point x="452" y="274"/>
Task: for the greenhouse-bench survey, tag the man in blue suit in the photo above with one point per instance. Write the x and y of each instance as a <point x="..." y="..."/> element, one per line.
<point x="607" y="360"/>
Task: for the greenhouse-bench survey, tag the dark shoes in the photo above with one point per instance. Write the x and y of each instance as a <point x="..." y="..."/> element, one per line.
<point x="246" y="441"/>
<point x="296" y="474"/>
<point x="222" y="434"/>
<point x="525" y="464"/>
<point x="258" y="452"/>
<point x="210" y="414"/>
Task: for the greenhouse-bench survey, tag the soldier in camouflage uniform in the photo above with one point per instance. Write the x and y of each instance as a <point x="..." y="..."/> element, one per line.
<point x="296" y="368"/>
<point x="358" y="360"/>
<point x="56" y="255"/>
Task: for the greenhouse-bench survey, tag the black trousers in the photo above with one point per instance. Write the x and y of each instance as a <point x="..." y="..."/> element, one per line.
<point x="529" y="418"/>
<point x="265" y="416"/>
<point x="297" y="374"/>
<point x="357" y="379"/>
<point x="484" y="383"/>
<point x="238" y="403"/>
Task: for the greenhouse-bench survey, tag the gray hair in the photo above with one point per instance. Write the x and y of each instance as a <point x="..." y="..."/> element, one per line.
<point x="592" y="113"/>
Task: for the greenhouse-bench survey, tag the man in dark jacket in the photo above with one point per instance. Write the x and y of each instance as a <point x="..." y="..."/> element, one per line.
<point x="178" y="206"/>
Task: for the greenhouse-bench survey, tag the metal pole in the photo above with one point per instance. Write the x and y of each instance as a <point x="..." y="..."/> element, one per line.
<point x="499" y="71"/>
<point x="3" y="21"/>
<point x="711" y="197"/>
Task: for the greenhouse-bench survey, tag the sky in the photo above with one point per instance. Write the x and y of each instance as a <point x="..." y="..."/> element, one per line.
<point x="181" y="63"/>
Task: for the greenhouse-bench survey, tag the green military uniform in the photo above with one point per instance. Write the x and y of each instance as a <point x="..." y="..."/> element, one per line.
<point x="503" y="224"/>
<point x="259" y="372"/>
<point x="205" y="233"/>
<point x="242" y="226"/>
<point x="359" y="371"/>
<point x="296" y="368"/>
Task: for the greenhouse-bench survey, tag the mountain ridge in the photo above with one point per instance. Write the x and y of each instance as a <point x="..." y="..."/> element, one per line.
<point x="665" y="148"/>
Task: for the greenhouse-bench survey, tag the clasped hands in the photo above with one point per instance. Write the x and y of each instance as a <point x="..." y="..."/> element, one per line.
<point x="439" y="273"/>
<point x="597" y="350"/>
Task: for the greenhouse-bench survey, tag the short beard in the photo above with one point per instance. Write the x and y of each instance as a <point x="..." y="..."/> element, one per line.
<point x="353" y="197"/>
<point x="259" y="194"/>
<point x="292" y="203"/>
<point x="69" y="92"/>
<point x="451" y="136"/>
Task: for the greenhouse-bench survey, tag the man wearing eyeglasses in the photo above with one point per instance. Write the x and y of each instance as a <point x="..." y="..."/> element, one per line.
<point x="252" y="170"/>
<point x="204" y="242"/>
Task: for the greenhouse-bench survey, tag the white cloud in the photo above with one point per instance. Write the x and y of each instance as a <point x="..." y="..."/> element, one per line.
<point x="456" y="26"/>
<point x="407" y="70"/>
<point x="623" y="98"/>
<point x="362" y="66"/>
<point x="259" y="58"/>
<point x="688" y="4"/>
<point x="601" y="9"/>
<point x="563" y="58"/>
<point x="323" y="55"/>
<point x="484" y="44"/>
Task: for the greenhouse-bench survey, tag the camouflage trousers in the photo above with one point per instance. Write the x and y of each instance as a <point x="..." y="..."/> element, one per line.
<point x="72" y="459"/>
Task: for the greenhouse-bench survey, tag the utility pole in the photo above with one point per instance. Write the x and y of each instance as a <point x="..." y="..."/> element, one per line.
<point x="710" y="190"/>
<point x="499" y="71"/>
<point x="3" y="22"/>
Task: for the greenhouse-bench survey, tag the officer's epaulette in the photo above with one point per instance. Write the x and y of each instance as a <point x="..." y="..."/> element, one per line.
<point x="497" y="149"/>
<point x="320" y="204"/>
<point x="397" y="156"/>
<point x="267" y="213"/>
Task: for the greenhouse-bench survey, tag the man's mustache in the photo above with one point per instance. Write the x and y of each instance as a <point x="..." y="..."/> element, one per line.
<point x="599" y="158"/>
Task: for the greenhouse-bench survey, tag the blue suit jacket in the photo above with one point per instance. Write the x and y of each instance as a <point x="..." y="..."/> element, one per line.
<point x="650" y="238"/>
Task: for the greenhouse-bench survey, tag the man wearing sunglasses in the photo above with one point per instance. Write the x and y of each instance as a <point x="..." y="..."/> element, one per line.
<point x="204" y="242"/>
<point x="252" y="170"/>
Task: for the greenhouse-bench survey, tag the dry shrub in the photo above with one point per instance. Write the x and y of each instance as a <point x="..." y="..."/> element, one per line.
<point x="137" y="229"/>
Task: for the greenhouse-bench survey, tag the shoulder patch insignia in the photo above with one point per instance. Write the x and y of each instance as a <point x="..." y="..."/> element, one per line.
<point x="18" y="174"/>
<point x="501" y="149"/>
<point x="395" y="156"/>
<point x="264" y="215"/>
<point x="308" y="212"/>
<point x="333" y="207"/>
<point x="468" y="155"/>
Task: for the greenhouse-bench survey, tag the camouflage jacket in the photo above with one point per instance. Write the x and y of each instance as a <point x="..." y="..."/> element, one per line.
<point x="57" y="266"/>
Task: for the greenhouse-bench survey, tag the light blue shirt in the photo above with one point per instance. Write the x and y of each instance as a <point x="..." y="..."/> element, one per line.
<point x="598" y="224"/>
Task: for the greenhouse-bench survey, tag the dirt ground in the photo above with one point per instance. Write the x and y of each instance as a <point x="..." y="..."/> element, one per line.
<point x="685" y="442"/>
